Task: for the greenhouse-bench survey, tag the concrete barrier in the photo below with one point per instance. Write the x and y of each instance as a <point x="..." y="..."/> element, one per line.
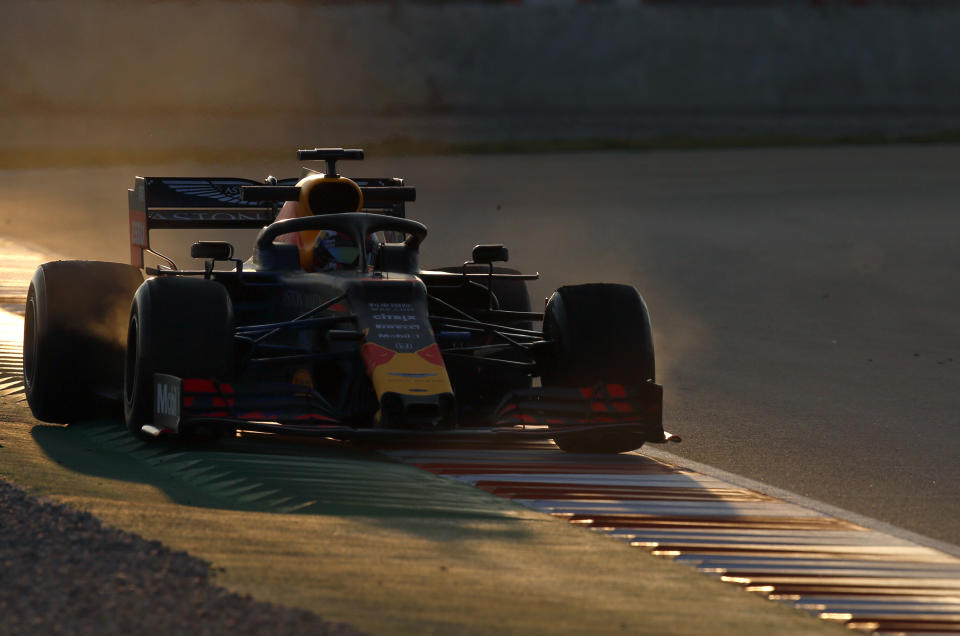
<point x="593" y="61"/>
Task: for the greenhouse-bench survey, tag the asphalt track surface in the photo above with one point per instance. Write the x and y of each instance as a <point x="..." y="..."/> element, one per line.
<point x="804" y="300"/>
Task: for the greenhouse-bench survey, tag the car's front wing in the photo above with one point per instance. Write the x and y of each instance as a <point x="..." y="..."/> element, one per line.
<point x="290" y="409"/>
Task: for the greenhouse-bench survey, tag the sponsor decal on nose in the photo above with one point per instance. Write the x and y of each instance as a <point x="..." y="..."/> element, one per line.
<point x="431" y="354"/>
<point x="374" y="355"/>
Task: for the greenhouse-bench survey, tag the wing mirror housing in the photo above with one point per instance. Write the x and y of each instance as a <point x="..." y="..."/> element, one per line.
<point x="212" y="250"/>
<point x="489" y="254"/>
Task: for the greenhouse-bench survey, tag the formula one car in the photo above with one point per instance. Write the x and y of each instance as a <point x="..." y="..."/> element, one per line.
<point x="331" y="328"/>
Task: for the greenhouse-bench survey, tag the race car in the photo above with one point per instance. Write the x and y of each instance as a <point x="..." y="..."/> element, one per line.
<point x="331" y="328"/>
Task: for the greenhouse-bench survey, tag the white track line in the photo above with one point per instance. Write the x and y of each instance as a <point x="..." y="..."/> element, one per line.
<point x="800" y="500"/>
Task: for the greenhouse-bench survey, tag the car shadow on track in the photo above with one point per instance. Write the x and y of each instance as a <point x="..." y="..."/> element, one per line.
<point x="272" y="476"/>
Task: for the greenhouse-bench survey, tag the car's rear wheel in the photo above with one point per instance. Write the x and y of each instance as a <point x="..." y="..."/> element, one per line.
<point x="73" y="337"/>
<point x="178" y="326"/>
<point x="602" y="335"/>
<point x="479" y="387"/>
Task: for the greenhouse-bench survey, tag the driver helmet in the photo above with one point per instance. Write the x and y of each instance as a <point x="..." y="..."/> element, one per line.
<point x="336" y="250"/>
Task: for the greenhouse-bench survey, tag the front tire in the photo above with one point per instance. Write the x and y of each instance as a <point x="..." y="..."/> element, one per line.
<point x="602" y="335"/>
<point x="179" y="326"/>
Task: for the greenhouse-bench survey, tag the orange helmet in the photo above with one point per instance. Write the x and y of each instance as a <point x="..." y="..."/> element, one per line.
<point x="319" y="194"/>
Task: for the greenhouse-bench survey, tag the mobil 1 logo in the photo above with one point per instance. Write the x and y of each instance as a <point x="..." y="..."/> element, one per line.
<point x="397" y="325"/>
<point x="167" y="401"/>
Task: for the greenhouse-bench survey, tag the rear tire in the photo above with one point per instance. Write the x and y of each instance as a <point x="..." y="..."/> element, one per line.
<point x="74" y="331"/>
<point x="512" y="295"/>
<point x="603" y="336"/>
<point x="179" y="326"/>
<point x="479" y="388"/>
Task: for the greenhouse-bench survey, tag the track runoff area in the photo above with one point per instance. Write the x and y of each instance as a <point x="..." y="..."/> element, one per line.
<point x="833" y="564"/>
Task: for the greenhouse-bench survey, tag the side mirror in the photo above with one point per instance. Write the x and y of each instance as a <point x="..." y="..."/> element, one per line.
<point x="212" y="250"/>
<point x="489" y="254"/>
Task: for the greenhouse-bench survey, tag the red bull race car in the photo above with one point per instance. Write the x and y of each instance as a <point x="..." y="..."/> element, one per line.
<point x="331" y="328"/>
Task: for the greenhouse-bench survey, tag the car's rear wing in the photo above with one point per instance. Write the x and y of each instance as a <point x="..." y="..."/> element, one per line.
<point x="173" y="203"/>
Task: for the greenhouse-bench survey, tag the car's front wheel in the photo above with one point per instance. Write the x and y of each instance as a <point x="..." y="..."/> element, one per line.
<point x="602" y="335"/>
<point x="178" y="326"/>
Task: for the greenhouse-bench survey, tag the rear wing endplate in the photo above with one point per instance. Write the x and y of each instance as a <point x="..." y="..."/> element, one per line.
<point x="174" y="203"/>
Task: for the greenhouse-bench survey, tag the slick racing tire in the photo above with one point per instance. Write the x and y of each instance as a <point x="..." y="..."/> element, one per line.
<point x="512" y="295"/>
<point x="480" y="388"/>
<point x="603" y="336"/>
<point x="179" y="326"/>
<point x="74" y="330"/>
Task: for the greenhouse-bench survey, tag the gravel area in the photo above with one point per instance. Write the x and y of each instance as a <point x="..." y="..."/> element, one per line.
<point x="63" y="572"/>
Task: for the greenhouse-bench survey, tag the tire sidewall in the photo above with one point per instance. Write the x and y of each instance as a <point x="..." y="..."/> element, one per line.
<point x="36" y="356"/>
<point x="137" y="392"/>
